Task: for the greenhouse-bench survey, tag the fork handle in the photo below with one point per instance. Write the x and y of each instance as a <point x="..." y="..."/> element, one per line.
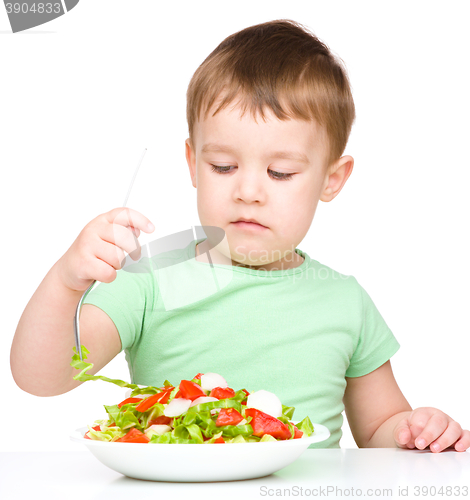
<point x="76" y="326"/>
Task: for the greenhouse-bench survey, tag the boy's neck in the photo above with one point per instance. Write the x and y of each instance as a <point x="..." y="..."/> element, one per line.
<point x="289" y="262"/>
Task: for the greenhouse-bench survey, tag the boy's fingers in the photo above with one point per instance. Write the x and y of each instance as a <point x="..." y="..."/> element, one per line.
<point x="448" y="438"/>
<point x="402" y="434"/>
<point x="464" y="442"/>
<point x="136" y="231"/>
<point x="122" y="237"/>
<point x="418" y="421"/>
<point x="111" y="255"/>
<point x="434" y="427"/>
<point x="119" y="235"/>
<point x="128" y="217"/>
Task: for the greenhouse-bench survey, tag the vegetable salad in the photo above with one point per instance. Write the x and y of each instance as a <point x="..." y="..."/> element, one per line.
<point x="201" y="410"/>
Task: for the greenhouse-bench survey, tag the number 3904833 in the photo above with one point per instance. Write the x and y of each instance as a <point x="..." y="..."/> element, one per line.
<point x="36" y="8"/>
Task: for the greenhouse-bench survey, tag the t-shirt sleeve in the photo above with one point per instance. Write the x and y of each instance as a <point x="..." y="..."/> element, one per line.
<point x="376" y="343"/>
<point x="124" y="301"/>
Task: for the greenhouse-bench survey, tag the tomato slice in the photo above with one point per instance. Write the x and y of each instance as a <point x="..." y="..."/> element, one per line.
<point x="222" y="393"/>
<point x="164" y="398"/>
<point x="129" y="400"/>
<point x="219" y="440"/>
<point x="263" y="423"/>
<point x="133" y="436"/>
<point x="161" y="420"/>
<point x="297" y="434"/>
<point x="247" y="394"/>
<point x="198" y="376"/>
<point x="190" y="390"/>
<point x="160" y="397"/>
<point x="228" y="416"/>
<point x="148" y="402"/>
<point x="97" y="428"/>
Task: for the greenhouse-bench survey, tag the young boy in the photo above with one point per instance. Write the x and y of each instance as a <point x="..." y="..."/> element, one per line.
<point x="283" y="322"/>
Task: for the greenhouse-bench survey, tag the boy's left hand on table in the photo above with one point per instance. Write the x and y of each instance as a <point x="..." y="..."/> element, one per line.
<point x="431" y="427"/>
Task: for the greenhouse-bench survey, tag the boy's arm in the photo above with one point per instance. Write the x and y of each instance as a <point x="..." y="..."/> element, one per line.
<point x="380" y="416"/>
<point x="42" y="347"/>
<point x="372" y="401"/>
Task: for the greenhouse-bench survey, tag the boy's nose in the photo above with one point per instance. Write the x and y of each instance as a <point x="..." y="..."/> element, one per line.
<point x="250" y="188"/>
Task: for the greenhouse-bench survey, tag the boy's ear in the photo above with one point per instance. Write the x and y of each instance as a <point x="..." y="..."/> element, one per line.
<point x="191" y="159"/>
<point x="337" y="177"/>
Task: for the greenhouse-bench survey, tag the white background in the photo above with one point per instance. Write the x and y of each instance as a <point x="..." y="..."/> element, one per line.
<point x="81" y="96"/>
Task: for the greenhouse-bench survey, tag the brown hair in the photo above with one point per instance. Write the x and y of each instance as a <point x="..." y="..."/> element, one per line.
<point x="277" y="61"/>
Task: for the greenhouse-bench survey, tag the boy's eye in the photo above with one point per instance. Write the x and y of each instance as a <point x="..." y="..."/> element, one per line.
<point x="276" y="175"/>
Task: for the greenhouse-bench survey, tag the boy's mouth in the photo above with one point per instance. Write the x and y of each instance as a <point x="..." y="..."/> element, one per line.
<point x="248" y="223"/>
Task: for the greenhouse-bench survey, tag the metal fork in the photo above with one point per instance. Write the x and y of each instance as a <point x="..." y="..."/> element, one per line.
<point x="76" y="325"/>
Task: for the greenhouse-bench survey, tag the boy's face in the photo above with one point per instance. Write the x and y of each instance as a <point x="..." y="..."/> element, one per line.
<point x="250" y="184"/>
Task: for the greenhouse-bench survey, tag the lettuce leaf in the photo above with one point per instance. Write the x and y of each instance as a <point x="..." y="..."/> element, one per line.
<point x="127" y="420"/>
<point x="236" y="430"/>
<point x="83" y="376"/>
<point x="110" y="434"/>
<point x="288" y="411"/>
<point x="169" y="438"/>
<point x="216" y="436"/>
<point x="267" y="438"/>
<point x="305" y="426"/>
<point x="153" y="412"/>
<point x="221" y="403"/>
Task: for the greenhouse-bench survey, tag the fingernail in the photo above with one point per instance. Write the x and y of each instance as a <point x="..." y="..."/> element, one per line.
<point x="401" y="437"/>
<point x="421" y="443"/>
<point x="436" y="447"/>
<point x="150" y="226"/>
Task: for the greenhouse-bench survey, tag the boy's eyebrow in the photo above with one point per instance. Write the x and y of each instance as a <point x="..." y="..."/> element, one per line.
<point x="285" y="155"/>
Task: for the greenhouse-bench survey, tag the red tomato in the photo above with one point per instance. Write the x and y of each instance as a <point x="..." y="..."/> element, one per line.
<point x="162" y="420"/>
<point x="222" y="393"/>
<point x="228" y="416"/>
<point x="166" y="394"/>
<point x="247" y="394"/>
<point x="148" y="402"/>
<point x="160" y="397"/>
<point x="219" y="440"/>
<point x="129" y="400"/>
<point x="190" y="390"/>
<point x="263" y="423"/>
<point x="199" y="375"/>
<point x="297" y="434"/>
<point x="86" y="436"/>
<point x="133" y="436"/>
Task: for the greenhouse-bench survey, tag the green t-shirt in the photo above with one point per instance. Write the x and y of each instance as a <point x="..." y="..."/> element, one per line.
<point x="297" y="332"/>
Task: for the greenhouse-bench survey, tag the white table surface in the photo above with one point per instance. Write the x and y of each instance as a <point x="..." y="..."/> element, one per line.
<point x="336" y="473"/>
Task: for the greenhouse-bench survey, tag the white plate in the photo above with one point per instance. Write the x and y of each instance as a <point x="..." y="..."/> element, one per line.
<point x="199" y="462"/>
